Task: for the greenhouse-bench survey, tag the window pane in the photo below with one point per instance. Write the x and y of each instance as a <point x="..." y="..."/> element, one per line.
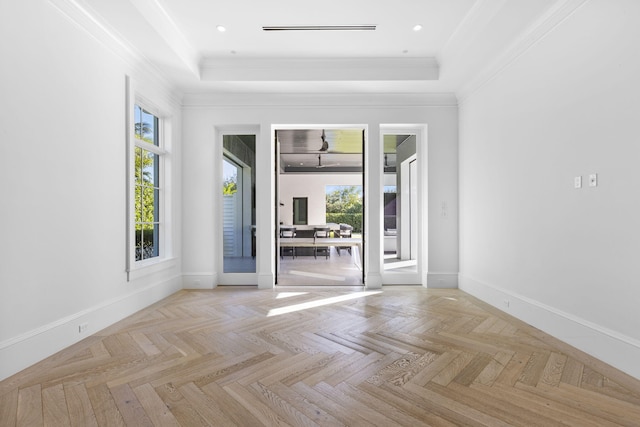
<point x="137" y="204"/>
<point x="146" y="126"/>
<point x="156" y="239"/>
<point x="146" y="186"/>
<point x="138" y="165"/>
<point x="150" y="241"/>
<point x="299" y="210"/>
<point x="148" y="164"/>
<point x="138" y="244"/>
<point x="148" y="204"/>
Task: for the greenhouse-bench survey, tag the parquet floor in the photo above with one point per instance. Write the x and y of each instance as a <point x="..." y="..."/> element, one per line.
<point x="235" y="356"/>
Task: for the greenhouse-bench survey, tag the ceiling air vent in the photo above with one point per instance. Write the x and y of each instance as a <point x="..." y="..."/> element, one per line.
<point x="319" y="28"/>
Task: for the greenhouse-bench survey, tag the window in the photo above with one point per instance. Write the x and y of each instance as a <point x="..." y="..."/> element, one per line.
<point x="299" y="211"/>
<point x="147" y="184"/>
<point x="344" y="205"/>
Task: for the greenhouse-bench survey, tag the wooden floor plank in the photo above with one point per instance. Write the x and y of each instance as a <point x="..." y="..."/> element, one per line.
<point x="371" y="417"/>
<point x="29" y="408"/>
<point x="156" y="409"/>
<point x="494" y="368"/>
<point x="185" y="414"/>
<point x="208" y="408"/>
<point x="9" y="407"/>
<point x="315" y="414"/>
<point x="288" y="412"/>
<point x="104" y="406"/>
<point x="54" y="407"/>
<point x="590" y="405"/>
<point x="552" y="373"/>
<point x="81" y="411"/>
<point x="407" y="356"/>
<point x="502" y="409"/>
<point x="253" y="405"/>
<point x="546" y="405"/>
<point x="387" y="408"/>
<point x="231" y="407"/>
<point x="513" y="369"/>
<point x="452" y="369"/>
<point x="129" y="406"/>
<point x="336" y="409"/>
<point x="413" y="401"/>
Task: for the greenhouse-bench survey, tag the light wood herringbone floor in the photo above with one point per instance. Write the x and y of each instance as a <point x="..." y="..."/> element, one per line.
<point x="316" y="356"/>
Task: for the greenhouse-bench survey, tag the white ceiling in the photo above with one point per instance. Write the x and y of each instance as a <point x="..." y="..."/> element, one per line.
<point x="459" y="39"/>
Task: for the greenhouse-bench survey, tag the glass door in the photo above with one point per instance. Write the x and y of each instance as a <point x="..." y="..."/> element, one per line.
<point x="238" y="194"/>
<point x="402" y="221"/>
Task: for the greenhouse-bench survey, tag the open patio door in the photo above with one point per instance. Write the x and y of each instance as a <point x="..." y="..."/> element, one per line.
<point x="322" y="169"/>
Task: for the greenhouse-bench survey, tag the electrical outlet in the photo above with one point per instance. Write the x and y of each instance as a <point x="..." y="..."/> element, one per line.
<point x="506" y="303"/>
<point x="593" y="180"/>
<point x="82" y="327"/>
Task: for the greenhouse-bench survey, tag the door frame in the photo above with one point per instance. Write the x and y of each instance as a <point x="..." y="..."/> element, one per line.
<point x="417" y="277"/>
<point x="218" y="158"/>
<point x="276" y="196"/>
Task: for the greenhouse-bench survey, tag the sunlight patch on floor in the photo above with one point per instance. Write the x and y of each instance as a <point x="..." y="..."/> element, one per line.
<point x="282" y="295"/>
<point x="400" y="264"/>
<point x="317" y="275"/>
<point x="319" y="303"/>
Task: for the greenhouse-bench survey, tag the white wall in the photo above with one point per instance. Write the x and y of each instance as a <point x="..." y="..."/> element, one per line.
<point x="203" y="114"/>
<point x="562" y="259"/>
<point x="62" y="185"/>
<point x="313" y="187"/>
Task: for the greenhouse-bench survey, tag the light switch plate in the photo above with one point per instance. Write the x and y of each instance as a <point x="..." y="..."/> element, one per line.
<point x="577" y="182"/>
<point x="593" y="180"/>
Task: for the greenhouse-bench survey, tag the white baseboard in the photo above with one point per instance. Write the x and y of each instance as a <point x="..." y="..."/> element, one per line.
<point x="442" y="280"/>
<point x="31" y="347"/>
<point x="199" y="281"/>
<point x="618" y="350"/>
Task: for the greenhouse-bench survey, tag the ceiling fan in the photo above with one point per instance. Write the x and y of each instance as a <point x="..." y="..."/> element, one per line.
<point x="320" y="165"/>
<point x="325" y="143"/>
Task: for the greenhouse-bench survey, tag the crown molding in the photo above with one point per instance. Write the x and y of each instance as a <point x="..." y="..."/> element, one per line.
<point x="314" y="100"/>
<point x="95" y="26"/>
<point x="165" y="26"/>
<point x="555" y="16"/>
<point x="319" y="69"/>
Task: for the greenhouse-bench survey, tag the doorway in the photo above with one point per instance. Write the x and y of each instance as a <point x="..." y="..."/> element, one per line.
<point x="236" y="196"/>
<point x="319" y="185"/>
<point x="403" y="219"/>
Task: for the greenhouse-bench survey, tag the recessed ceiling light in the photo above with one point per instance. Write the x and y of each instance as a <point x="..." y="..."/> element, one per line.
<point x="221" y="28"/>
<point x="405" y="51"/>
<point x="233" y="52"/>
<point x="417" y="27"/>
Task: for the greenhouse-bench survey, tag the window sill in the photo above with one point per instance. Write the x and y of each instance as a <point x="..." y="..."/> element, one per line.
<point x="146" y="268"/>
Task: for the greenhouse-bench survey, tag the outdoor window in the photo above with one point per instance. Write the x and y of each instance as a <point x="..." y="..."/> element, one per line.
<point x="344" y="205"/>
<point x="300" y="210"/>
<point x="147" y="185"/>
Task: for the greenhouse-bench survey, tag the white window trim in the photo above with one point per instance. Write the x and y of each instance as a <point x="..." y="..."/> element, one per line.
<point x="164" y="260"/>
